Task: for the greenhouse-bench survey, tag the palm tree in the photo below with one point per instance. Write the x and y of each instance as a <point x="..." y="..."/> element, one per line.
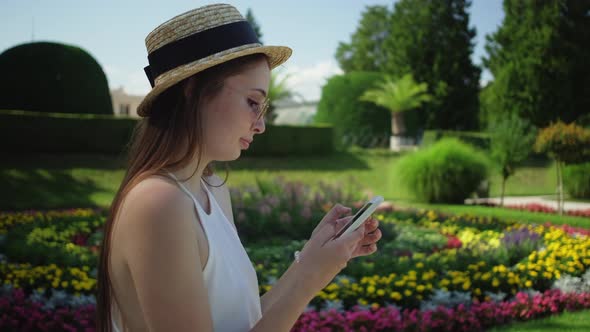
<point x="398" y="96"/>
<point x="278" y="90"/>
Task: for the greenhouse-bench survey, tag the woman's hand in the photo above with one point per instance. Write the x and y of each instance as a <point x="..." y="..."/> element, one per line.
<point x="372" y="234"/>
<point x="323" y="257"/>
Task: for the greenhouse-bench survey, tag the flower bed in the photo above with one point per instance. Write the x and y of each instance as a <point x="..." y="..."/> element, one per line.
<point x="432" y="271"/>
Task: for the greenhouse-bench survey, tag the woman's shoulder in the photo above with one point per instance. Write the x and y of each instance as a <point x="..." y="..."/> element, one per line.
<point x="153" y="195"/>
<point x="156" y="188"/>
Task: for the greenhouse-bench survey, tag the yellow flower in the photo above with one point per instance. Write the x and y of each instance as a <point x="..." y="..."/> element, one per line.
<point x="528" y="283"/>
<point x="395" y="296"/>
<point x="408" y="292"/>
<point x="466" y="285"/>
<point x="332" y="287"/>
<point x="495" y="282"/>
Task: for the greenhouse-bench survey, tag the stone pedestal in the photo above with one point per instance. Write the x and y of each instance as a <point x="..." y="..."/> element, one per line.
<point x="402" y="143"/>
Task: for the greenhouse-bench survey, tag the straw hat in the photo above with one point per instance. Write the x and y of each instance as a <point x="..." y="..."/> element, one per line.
<point x="199" y="39"/>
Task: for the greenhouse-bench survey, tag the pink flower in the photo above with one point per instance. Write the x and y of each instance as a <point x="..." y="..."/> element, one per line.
<point x="306" y="212"/>
<point x="264" y="209"/>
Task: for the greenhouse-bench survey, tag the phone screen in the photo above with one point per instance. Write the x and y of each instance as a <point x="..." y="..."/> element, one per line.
<point x="356" y="216"/>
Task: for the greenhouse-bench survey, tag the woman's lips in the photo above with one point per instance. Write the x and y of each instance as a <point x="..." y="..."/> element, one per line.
<point x="245" y="144"/>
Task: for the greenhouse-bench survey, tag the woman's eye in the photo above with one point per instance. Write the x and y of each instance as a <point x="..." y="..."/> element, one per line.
<point x="254" y="105"/>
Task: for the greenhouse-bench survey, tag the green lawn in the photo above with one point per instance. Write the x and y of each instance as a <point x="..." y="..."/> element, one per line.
<point x="566" y="322"/>
<point x="45" y="181"/>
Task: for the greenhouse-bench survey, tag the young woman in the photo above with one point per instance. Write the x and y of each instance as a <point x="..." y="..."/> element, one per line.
<point x="171" y="257"/>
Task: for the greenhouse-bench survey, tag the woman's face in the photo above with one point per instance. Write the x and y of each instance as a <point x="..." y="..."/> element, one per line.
<point x="231" y="118"/>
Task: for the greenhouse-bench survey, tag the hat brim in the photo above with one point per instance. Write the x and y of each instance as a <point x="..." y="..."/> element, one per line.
<point x="277" y="55"/>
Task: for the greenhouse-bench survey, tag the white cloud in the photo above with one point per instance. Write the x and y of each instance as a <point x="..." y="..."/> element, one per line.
<point x="308" y="80"/>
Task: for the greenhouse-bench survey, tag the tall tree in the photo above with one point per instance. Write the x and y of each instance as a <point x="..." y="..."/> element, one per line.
<point x="430" y="39"/>
<point x="250" y="18"/>
<point x="512" y="140"/>
<point x="539" y="59"/>
<point x="365" y="51"/>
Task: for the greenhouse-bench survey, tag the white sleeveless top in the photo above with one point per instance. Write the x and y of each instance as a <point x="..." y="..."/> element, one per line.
<point x="230" y="277"/>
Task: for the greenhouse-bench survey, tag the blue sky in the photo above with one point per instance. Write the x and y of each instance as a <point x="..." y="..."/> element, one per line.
<point x="113" y="32"/>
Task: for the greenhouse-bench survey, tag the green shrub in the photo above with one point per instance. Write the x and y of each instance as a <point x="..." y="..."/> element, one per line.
<point x="354" y="121"/>
<point x="447" y="172"/>
<point x="480" y="140"/>
<point x="51" y="77"/>
<point x="576" y="180"/>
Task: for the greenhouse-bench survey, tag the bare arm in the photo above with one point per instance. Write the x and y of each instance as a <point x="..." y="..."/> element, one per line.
<point x="290" y="297"/>
<point x="280" y="289"/>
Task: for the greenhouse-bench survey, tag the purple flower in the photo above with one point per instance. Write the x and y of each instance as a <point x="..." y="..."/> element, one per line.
<point x="285" y="218"/>
<point x="519" y="236"/>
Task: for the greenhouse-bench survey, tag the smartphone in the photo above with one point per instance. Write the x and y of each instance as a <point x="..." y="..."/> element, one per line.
<point x="360" y="216"/>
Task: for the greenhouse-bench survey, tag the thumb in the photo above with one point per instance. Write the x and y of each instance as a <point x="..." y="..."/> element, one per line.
<point x="331" y="216"/>
<point x="324" y="234"/>
<point x="336" y="212"/>
<point x="338" y="224"/>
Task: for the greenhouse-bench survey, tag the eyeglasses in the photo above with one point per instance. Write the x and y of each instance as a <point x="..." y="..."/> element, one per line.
<point x="259" y="109"/>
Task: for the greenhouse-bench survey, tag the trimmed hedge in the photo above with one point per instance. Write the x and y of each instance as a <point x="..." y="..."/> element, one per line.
<point x="38" y="132"/>
<point x="576" y="179"/>
<point x="293" y="140"/>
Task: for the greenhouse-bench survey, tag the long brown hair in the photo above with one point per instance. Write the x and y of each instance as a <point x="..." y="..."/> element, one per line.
<point x="168" y="139"/>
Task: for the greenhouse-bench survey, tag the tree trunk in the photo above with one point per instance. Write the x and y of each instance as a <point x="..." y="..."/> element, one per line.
<point x="397" y="124"/>
<point x="503" y="188"/>
<point x="560" y="203"/>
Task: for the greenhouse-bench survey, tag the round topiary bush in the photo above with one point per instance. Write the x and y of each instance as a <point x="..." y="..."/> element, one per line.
<point x="447" y="172"/>
<point x="576" y="179"/>
<point x="51" y="77"/>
